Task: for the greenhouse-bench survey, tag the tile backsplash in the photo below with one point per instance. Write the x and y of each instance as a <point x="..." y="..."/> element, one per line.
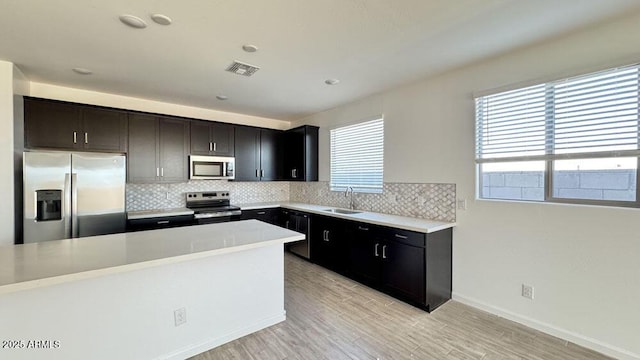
<point x="167" y="196"/>
<point x="425" y="201"/>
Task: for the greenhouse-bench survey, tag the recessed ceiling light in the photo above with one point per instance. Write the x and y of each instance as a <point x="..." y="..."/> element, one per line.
<point x="133" y="21"/>
<point x="331" y="81"/>
<point x="82" y="71"/>
<point x="222" y="97"/>
<point x="249" y="48"/>
<point x="161" y="19"/>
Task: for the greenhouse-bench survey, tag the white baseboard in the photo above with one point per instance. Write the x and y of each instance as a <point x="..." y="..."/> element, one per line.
<point x="212" y="343"/>
<point x="577" y="339"/>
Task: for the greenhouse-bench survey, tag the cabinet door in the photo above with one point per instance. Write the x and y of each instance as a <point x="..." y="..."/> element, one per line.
<point x="328" y="243"/>
<point x="365" y="252"/>
<point x="404" y="270"/>
<point x="294" y="155"/>
<point x="247" y="150"/>
<point x="51" y="124"/>
<point x="142" y="160"/>
<point x="174" y="150"/>
<point x="200" y="138"/>
<point x="222" y="138"/>
<point x="103" y="130"/>
<point x="270" y="159"/>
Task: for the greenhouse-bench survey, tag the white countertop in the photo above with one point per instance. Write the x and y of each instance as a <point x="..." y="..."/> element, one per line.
<point x="400" y="222"/>
<point x="52" y="262"/>
<point x="145" y="214"/>
<point x="261" y="205"/>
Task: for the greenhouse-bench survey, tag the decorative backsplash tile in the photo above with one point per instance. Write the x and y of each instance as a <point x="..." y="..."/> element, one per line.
<point x="425" y="201"/>
<point x="167" y="196"/>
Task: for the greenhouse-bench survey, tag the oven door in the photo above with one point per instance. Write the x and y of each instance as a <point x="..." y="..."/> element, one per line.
<point x="211" y="167"/>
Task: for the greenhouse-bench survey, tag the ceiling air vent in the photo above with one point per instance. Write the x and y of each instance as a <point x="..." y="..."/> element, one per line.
<point x="240" y="68"/>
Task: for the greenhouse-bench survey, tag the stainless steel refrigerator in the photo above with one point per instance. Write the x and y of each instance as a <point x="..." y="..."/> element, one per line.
<point x="70" y="195"/>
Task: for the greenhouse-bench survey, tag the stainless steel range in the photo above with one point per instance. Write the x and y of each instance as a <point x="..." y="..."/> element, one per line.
<point x="212" y="207"/>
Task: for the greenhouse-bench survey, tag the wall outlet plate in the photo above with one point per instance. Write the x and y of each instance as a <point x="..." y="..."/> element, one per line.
<point x="180" y="316"/>
<point x="527" y="291"/>
<point x="462" y="204"/>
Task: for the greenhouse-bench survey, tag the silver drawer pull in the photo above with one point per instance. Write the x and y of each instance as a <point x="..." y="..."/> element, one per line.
<point x="75" y="137"/>
<point x="363" y="228"/>
<point x="375" y="251"/>
<point x="384" y="251"/>
<point x="401" y="236"/>
<point x="261" y="212"/>
<point x="162" y="222"/>
<point x="86" y="138"/>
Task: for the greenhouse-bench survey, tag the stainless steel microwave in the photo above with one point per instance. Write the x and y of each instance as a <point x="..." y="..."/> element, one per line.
<point x="211" y="167"/>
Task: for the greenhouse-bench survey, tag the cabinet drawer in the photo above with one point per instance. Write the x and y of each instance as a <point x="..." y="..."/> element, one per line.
<point x="405" y="237"/>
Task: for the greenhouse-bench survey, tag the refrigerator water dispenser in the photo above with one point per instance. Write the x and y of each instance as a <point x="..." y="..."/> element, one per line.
<point x="48" y="205"/>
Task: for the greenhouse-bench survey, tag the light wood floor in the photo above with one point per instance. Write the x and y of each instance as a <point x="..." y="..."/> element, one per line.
<point x="332" y="317"/>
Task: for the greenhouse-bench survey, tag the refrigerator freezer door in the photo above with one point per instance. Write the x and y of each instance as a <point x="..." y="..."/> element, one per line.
<point x="47" y="197"/>
<point x="98" y="188"/>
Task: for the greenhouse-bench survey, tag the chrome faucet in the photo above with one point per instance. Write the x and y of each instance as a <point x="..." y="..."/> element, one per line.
<point x="346" y="193"/>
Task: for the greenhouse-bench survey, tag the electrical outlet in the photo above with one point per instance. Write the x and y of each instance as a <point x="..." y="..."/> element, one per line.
<point x="527" y="291"/>
<point x="180" y="316"/>
<point x="462" y="204"/>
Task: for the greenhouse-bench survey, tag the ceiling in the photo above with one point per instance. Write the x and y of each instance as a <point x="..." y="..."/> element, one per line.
<point x="369" y="45"/>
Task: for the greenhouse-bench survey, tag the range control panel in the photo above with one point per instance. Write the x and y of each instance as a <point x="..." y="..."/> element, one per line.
<point x="208" y="195"/>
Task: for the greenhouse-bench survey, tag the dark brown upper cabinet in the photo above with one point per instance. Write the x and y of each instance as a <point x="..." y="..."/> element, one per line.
<point x="209" y="138"/>
<point x="158" y="149"/>
<point x="258" y="154"/>
<point x="301" y="154"/>
<point x="64" y="126"/>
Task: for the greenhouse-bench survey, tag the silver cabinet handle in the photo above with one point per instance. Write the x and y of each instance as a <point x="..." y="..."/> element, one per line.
<point x="384" y="251"/>
<point x="294" y="173"/>
<point x="261" y="173"/>
<point x="210" y="146"/>
<point x="157" y="172"/>
<point x="363" y="228"/>
<point x="86" y="138"/>
<point x="214" y="147"/>
<point x="162" y="222"/>
<point x="401" y="236"/>
<point x="161" y="172"/>
<point x="75" y="137"/>
<point x="257" y="173"/>
<point x="375" y="250"/>
<point x="261" y="212"/>
<point x="286" y="224"/>
<point x="326" y="235"/>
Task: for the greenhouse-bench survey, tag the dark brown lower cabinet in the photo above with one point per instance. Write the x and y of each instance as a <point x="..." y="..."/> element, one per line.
<point x="411" y="266"/>
<point x="328" y="243"/>
<point x="268" y="215"/>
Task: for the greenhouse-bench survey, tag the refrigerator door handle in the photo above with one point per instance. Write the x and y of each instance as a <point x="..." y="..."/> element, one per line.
<point x="66" y="206"/>
<point x="74" y="206"/>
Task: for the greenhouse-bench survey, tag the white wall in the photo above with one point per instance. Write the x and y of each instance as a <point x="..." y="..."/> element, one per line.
<point x="6" y="152"/>
<point x="583" y="261"/>
<point x="56" y="92"/>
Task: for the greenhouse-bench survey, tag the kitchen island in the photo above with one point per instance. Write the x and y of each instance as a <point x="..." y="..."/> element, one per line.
<point x="161" y="294"/>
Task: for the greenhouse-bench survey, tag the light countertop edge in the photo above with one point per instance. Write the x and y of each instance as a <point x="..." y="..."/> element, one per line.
<point x="395" y="221"/>
<point x="147" y="214"/>
<point x="137" y="265"/>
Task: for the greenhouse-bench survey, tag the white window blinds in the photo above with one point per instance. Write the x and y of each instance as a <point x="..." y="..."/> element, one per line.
<point x="595" y="115"/>
<point x="357" y="157"/>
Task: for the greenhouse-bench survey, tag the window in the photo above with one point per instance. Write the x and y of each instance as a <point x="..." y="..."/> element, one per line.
<point x="356" y="157"/>
<point x="573" y="140"/>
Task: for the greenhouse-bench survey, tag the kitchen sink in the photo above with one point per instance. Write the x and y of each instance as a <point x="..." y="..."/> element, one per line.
<point x="342" y="211"/>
